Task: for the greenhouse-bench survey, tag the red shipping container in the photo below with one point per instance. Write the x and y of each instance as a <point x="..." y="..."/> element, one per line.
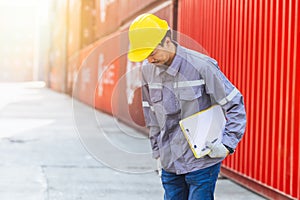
<point x="75" y="63"/>
<point x="257" y="46"/>
<point x="88" y="22"/>
<point x="98" y="73"/>
<point x="111" y="14"/>
<point x="57" y="52"/>
<point x="107" y="64"/>
<point x="107" y="17"/>
<point x="74" y="42"/>
<point x="130" y="8"/>
<point x="85" y="77"/>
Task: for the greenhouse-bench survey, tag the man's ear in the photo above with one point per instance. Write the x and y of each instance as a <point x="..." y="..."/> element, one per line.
<point x="167" y="42"/>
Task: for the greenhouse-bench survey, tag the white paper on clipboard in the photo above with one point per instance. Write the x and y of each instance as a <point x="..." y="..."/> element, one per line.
<point x="205" y="126"/>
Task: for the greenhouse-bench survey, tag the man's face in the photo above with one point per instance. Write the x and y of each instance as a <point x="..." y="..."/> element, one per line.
<point x="160" y="56"/>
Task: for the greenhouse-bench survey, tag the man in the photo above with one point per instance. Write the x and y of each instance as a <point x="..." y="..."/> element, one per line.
<point x="177" y="83"/>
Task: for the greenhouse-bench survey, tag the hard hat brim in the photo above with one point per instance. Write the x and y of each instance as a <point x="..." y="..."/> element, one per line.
<point x="138" y="55"/>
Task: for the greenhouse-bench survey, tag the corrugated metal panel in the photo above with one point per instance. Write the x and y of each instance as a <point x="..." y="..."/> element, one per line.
<point x="88" y="22"/>
<point x="107" y="61"/>
<point x="107" y="17"/>
<point x="110" y="14"/>
<point x="129" y="8"/>
<point x="256" y="44"/>
<point x="85" y="80"/>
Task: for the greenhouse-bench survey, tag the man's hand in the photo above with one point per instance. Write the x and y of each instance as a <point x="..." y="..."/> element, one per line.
<point x="217" y="150"/>
<point x="158" y="167"/>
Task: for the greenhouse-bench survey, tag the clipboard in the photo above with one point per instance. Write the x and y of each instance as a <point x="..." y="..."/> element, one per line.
<point x="205" y="126"/>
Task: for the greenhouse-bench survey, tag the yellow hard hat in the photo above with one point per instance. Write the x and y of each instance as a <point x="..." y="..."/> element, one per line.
<point x="145" y="33"/>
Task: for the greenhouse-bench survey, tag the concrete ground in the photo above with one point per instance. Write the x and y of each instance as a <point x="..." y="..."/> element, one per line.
<point x="54" y="148"/>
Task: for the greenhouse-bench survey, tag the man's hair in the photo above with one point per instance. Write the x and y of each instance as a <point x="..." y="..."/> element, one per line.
<point x="168" y="34"/>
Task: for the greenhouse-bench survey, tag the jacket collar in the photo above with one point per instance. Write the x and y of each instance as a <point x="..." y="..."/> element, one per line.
<point x="173" y="69"/>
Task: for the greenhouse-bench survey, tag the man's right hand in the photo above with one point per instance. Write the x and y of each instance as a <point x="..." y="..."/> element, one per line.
<point x="158" y="167"/>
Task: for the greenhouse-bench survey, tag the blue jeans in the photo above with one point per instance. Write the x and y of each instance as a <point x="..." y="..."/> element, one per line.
<point x="196" y="185"/>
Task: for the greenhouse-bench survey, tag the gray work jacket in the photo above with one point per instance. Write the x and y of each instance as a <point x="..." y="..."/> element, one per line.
<point x="193" y="82"/>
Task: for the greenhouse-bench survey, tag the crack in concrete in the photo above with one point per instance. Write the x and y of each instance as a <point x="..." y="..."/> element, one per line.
<point x="46" y="183"/>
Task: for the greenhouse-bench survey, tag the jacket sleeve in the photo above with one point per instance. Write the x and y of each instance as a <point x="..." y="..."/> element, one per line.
<point x="150" y="119"/>
<point x="224" y="93"/>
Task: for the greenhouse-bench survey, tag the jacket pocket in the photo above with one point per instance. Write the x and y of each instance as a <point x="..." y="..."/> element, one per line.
<point x="155" y="95"/>
<point x="191" y="100"/>
<point x="190" y="93"/>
